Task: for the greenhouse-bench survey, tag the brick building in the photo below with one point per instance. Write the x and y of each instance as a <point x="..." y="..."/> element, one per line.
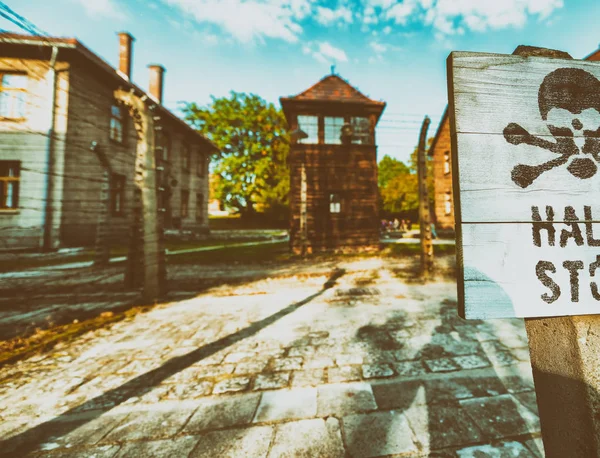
<point x="333" y="167"/>
<point x="57" y="110"/>
<point x="440" y="150"/>
<point x="442" y="169"/>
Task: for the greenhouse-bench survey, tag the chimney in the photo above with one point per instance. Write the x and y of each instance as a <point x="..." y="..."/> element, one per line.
<point x="156" y="82"/>
<point x="125" y="50"/>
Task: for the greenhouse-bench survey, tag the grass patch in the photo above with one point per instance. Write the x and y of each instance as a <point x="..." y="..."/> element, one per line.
<point x="42" y="340"/>
<point x="278" y="251"/>
<point x="400" y="249"/>
<point x="235" y="222"/>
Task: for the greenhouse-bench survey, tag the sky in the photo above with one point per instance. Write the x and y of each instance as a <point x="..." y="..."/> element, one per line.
<point x="391" y="50"/>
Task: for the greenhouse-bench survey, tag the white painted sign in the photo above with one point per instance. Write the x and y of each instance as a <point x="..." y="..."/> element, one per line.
<point x="526" y="157"/>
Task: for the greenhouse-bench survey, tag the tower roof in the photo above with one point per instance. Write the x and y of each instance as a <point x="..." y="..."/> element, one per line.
<point x="333" y="88"/>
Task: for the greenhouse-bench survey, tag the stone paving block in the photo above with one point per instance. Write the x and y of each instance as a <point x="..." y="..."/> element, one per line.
<point x="223" y="412"/>
<point x="536" y="446"/>
<point x="167" y="448"/>
<point x="287" y="364"/>
<point x="250" y="367"/>
<point x="440" y="427"/>
<point x="308" y="439"/>
<point x="312" y="377"/>
<point x="343" y="374"/>
<point x="297" y="403"/>
<point x="501" y="416"/>
<point x="235" y="443"/>
<point x="189" y="391"/>
<point x="304" y="351"/>
<point x="150" y="424"/>
<point x="516" y="384"/>
<point x="502" y="358"/>
<point x="505" y="450"/>
<point x="345" y="398"/>
<point x="449" y="391"/>
<point x="272" y="381"/>
<point x="231" y="385"/>
<point x="376" y="434"/>
<point x="318" y="362"/>
<point x="522" y="354"/>
<point x="471" y="361"/>
<point x="441" y="365"/>
<point x="482" y="386"/>
<point x="237" y="357"/>
<point x="376" y="370"/>
<point x="216" y="371"/>
<point x="410" y="368"/>
<point x="397" y="395"/>
<point x="79" y="430"/>
<point x="349" y="359"/>
<point x="103" y="451"/>
<point x="529" y="400"/>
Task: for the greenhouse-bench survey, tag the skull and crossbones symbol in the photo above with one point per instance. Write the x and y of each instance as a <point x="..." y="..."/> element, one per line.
<point x="569" y="103"/>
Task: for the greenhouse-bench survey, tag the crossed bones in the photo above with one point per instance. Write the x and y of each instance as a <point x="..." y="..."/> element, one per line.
<point x="574" y="90"/>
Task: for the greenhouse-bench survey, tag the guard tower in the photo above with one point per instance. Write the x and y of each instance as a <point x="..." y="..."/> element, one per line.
<point x="333" y="168"/>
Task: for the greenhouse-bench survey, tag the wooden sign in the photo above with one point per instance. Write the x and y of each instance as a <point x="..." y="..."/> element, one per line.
<point x="526" y="156"/>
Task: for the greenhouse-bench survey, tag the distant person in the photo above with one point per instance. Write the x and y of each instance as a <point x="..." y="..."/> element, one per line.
<point x="410" y="225"/>
<point x="396" y="224"/>
<point x="433" y="232"/>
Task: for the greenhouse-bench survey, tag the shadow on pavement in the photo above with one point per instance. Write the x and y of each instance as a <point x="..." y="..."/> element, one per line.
<point x="30" y="440"/>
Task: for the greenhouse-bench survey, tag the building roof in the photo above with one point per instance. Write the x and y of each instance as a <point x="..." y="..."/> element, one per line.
<point x="333" y="88"/>
<point x="18" y="45"/>
<point x="593" y="56"/>
<point x="443" y="123"/>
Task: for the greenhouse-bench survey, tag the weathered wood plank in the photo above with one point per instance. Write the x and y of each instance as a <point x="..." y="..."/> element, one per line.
<point x="503" y="276"/>
<point x="526" y="146"/>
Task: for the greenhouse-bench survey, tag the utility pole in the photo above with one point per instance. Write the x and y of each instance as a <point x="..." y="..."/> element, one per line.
<point x="145" y="233"/>
<point x="424" y="212"/>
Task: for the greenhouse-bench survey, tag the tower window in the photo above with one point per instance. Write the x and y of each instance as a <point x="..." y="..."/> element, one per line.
<point x="335" y="203"/>
<point x="309" y="125"/>
<point x="333" y="130"/>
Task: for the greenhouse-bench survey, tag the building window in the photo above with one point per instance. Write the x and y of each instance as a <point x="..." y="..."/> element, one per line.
<point x="13" y="95"/>
<point x="361" y="131"/>
<point x="333" y="130"/>
<point x="199" y="207"/>
<point x="116" y="123"/>
<point x="201" y="166"/>
<point x="447" y="162"/>
<point x="117" y="194"/>
<point x="186" y="157"/>
<point x="335" y="203"/>
<point x="185" y="200"/>
<point x="10" y="177"/>
<point x="309" y="125"/>
<point x="448" y="203"/>
<point x="164" y="146"/>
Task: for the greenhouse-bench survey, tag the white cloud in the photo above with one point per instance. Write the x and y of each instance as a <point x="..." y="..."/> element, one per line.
<point x="328" y="16"/>
<point x="325" y="52"/>
<point x="250" y="20"/>
<point x="449" y="17"/>
<point x="106" y="8"/>
<point x="379" y="48"/>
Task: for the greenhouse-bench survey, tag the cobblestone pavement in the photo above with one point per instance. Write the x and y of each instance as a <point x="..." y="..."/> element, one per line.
<point x="348" y="361"/>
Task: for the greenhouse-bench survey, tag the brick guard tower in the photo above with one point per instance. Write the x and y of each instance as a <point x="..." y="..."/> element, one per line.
<point x="333" y="168"/>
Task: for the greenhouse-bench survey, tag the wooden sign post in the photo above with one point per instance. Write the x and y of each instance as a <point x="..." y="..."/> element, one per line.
<point x="526" y="152"/>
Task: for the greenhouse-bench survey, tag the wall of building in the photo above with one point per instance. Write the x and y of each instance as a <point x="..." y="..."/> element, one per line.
<point x="27" y="141"/>
<point x="442" y="172"/>
<point x="347" y="170"/>
<point x="89" y="120"/>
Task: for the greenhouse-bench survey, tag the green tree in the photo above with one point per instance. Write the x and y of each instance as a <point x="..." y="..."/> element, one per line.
<point x="252" y="137"/>
<point x="389" y="168"/>
<point x="398" y="183"/>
